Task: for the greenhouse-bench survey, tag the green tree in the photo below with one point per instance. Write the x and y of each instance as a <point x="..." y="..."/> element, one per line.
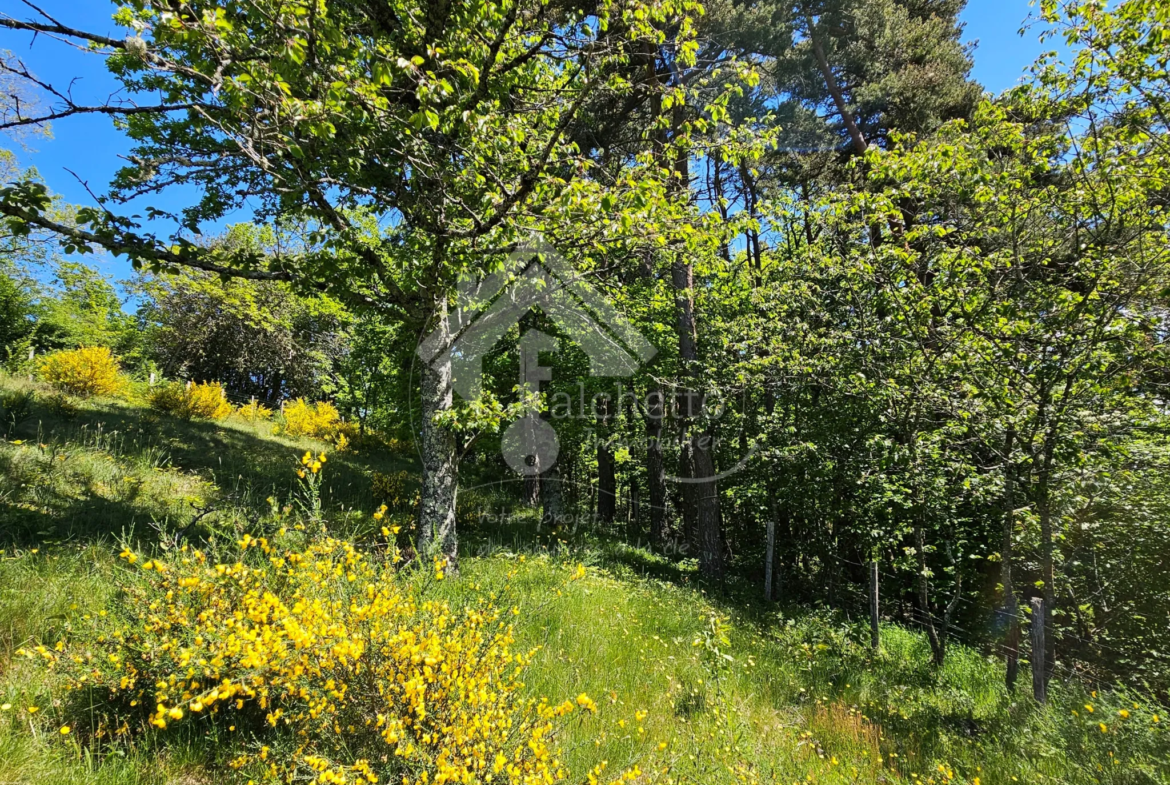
<point x="418" y="140"/>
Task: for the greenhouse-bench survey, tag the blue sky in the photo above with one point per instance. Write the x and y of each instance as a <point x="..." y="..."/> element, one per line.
<point x="86" y="148"/>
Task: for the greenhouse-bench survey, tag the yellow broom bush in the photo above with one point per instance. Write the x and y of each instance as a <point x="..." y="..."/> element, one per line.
<point x="206" y="400"/>
<point x="254" y="410"/>
<point x="90" y="370"/>
<point x="323" y="664"/>
<point x="319" y="420"/>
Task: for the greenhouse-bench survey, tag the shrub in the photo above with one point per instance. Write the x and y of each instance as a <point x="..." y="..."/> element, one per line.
<point x="62" y="406"/>
<point x="319" y="420"/>
<point x="325" y="662"/>
<point x="15" y="407"/>
<point x="254" y="410"/>
<point x="397" y="490"/>
<point x="206" y="400"/>
<point x="90" y="370"/>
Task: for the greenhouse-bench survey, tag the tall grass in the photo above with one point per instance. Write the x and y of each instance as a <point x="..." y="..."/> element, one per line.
<point x="690" y="688"/>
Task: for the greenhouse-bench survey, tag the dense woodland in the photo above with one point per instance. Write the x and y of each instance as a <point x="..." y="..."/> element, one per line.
<point x="911" y="337"/>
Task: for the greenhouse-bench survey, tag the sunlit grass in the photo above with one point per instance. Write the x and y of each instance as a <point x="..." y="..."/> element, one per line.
<point x="690" y="688"/>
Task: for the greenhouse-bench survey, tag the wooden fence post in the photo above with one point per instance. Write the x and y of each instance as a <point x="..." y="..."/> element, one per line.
<point x="1039" y="684"/>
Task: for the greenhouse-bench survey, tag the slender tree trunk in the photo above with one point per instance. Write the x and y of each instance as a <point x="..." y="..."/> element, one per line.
<point x="875" y="632"/>
<point x="1011" y="610"/>
<point x="532" y="490"/>
<point x="437" y="536"/>
<point x="634" y="518"/>
<point x="855" y="135"/>
<point x="655" y="471"/>
<point x="550" y="497"/>
<point x="708" y="523"/>
<point x="606" y="482"/>
<point x="770" y="552"/>
<point x="702" y="497"/>
<point x="936" y="644"/>
<point x="606" y="477"/>
<point x="1039" y="670"/>
<point x="1047" y="566"/>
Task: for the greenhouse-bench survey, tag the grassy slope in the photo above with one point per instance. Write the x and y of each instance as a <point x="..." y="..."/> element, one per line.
<point x="733" y="692"/>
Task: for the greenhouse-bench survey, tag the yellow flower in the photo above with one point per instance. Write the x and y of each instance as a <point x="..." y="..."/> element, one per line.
<point x="66" y="730"/>
<point x="1124" y="714"/>
<point x="1103" y="727"/>
<point x="316" y="467"/>
<point x="378" y="515"/>
<point x="1088" y="708"/>
<point x="321" y="457"/>
<point x="33" y="709"/>
<point x="301" y="473"/>
<point x="175" y="713"/>
<point x="306" y="458"/>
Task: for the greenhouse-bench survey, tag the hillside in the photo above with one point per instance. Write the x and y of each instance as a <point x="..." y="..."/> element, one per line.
<point x="687" y="687"/>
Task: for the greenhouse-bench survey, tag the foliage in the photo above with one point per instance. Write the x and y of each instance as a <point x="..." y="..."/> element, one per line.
<point x="319" y="420"/>
<point x="17" y="311"/>
<point x="205" y="400"/>
<point x="397" y="490"/>
<point x="338" y="667"/>
<point x="253" y="411"/>
<point x="90" y="370"/>
<point x="82" y="308"/>
<point x="258" y="338"/>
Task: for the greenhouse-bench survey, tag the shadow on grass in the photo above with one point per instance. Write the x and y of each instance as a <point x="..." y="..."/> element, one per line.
<point x="244" y="464"/>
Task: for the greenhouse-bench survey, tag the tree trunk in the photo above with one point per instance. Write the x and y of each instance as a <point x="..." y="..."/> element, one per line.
<point x="606" y="482"/>
<point x="701" y="498"/>
<point x="770" y="553"/>
<point x="1039" y="671"/>
<point x="1011" y="610"/>
<point x="875" y="632"/>
<point x="531" y="490"/>
<point x="655" y="471"/>
<point x="855" y="135"/>
<point x="634" y="517"/>
<point x="550" y="498"/>
<point x="937" y="648"/>
<point x="708" y="526"/>
<point x="437" y="536"/>
<point x="1047" y="567"/>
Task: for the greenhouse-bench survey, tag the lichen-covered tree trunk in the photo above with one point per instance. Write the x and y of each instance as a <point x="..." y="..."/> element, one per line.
<point x="437" y="535"/>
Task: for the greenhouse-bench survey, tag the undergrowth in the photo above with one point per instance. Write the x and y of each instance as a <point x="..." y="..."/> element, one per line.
<point x="667" y="684"/>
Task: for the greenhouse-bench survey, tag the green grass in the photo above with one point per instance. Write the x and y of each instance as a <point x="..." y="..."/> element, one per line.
<point x="736" y="691"/>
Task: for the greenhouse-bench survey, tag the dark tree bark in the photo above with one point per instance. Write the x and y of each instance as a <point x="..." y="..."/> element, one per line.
<point x="655" y="471"/>
<point x="551" y="501"/>
<point x="875" y="630"/>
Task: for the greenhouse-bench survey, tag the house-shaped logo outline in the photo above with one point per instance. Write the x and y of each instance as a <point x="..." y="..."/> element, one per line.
<point x="489" y="307"/>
